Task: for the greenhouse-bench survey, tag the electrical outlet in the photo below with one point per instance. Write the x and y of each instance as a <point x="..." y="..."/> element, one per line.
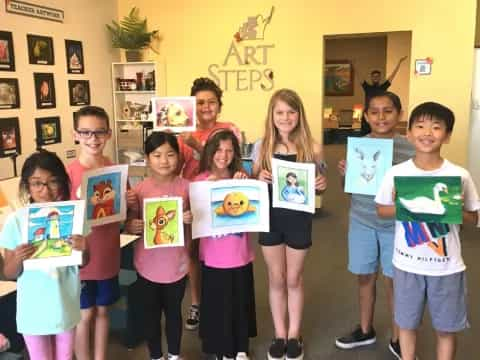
<point x="70" y="154"/>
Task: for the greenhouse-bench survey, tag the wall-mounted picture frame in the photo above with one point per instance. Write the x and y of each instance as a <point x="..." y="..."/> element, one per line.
<point x="40" y="50"/>
<point x="79" y="91"/>
<point x="10" y="142"/>
<point x="44" y="90"/>
<point x="338" y="78"/>
<point x="48" y="130"/>
<point x="75" y="59"/>
<point x="7" y="55"/>
<point x="9" y="94"/>
<point x="423" y="66"/>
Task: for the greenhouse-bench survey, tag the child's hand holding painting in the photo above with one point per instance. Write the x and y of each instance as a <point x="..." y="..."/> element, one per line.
<point x="187" y="217"/>
<point x="135" y="226"/>
<point x="23" y="252"/>
<point x="342" y="167"/>
<point x="78" y="242"/>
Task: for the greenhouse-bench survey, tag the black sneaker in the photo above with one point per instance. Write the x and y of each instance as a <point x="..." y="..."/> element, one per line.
<point x="193" y="319"/>
<point x="394" y="347"/>
<point x="294" y="349"/>
<point x="356" y="338"/>
<point x="277" y="350"/>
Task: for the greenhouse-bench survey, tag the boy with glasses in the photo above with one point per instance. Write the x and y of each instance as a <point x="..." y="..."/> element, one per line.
<point x="99" y="278"/>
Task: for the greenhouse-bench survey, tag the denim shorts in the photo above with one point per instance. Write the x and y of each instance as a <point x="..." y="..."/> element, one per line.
<point x="369" y="247"/>
<point x="445" y="296"/>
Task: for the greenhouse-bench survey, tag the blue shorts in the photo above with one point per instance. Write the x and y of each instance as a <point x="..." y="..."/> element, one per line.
<point x="445" y="296"/>
<point x="368" y="247"/>
<point x="99" y="292"/>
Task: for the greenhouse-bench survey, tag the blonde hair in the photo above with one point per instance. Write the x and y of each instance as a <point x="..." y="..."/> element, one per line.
<point x="300" y="136"/>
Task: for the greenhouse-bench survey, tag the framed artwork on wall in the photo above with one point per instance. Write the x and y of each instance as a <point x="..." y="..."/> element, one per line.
<point x="7" y="56"/>
<point x="10" y="142"/>
<point x="48" y="130"/>
<point x="40" y="50"/>
<point x="44" y="90"/>
<point x="338" y="78"/>
<point x="75" y="60"/>
<point x="79" y="91"/>
<point x="9" y="94"/>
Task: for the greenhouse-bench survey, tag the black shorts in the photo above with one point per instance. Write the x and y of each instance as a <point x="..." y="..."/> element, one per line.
<point x="298" y="240"/>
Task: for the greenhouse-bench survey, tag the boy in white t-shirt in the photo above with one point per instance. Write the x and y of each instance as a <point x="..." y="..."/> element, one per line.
<point x="428" y="264"/>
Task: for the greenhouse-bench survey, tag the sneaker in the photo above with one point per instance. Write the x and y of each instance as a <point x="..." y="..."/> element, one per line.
<point x="173" y="357"/>
<point x="356" y="338"/>
<point x="394" y="347"/>
<point x="193" y="319"/>
<point x="294" y="349"/>
<point x="277" y="350"/>
<point x="242" y="356"/>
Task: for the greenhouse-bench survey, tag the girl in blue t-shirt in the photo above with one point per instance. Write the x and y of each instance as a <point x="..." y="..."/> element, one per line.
<point x="48" y="300"/>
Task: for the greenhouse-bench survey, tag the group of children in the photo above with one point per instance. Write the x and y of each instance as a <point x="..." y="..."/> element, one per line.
<point x="58" y="308"/>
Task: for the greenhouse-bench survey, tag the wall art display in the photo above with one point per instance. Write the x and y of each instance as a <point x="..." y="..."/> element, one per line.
<point x="9" y="94"/>
<point x="49" y="227"/>
<point x="229" y="206"/>
<point x="44" y="90"/>
<point x="104" y="191"/>
<point x="367" y="162"/>
<point x="163" y="218"/>
<point x="338" y="78"/>
<point x="10" y="143"/>
<point x="7" y="56"/>
<point x="293" y="185"/>
<point x="177" y="114"/>
<point x="40" y="50"/>
<point x="79" y="91"/>
<point x="75" y="60"/>
<point x="430" y="199"/>
<point x="48" y="130"/>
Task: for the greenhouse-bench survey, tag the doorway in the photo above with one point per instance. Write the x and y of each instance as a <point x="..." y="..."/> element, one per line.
<point x="349" y="62"/>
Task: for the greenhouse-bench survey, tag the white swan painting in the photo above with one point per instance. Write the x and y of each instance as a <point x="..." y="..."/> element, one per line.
<point x="425" y="205"/>
<point x="431" y="199"/>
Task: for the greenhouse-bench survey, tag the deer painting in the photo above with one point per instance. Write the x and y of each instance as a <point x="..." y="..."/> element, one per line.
<point x="158" y="224"/>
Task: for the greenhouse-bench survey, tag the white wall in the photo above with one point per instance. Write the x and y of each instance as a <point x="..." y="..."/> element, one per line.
<point x="399" y="44"/>
<point x="85" y="21"/>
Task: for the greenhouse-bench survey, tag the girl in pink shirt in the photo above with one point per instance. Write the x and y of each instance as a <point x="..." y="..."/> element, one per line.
<point x="162" y="272"/>
<point x="228" y="297"/>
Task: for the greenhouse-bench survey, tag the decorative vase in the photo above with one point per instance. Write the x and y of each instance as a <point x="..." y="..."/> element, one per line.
<point x="134" y="55"/>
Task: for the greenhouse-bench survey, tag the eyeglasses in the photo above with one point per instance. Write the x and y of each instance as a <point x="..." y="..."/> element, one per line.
<point x="87" y="134"/>
<point x="37" y="185"/>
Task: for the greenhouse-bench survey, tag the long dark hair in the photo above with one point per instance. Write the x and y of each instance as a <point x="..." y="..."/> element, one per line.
<point x="48" y="161"/>
<point x="212" y="146"/>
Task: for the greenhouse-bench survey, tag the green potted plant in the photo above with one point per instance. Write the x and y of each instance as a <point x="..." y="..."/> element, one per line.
<point x="131" y="34"/>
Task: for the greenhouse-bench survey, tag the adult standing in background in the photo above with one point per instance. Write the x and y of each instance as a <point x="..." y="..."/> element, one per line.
<point x="209" y="103"/>
<point x="377" y="87"/>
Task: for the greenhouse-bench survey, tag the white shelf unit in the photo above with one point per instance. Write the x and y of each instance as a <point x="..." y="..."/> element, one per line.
<point x="129" y="134"/>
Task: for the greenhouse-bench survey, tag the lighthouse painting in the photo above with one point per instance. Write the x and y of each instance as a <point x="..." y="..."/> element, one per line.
<point x="50" y="227"/>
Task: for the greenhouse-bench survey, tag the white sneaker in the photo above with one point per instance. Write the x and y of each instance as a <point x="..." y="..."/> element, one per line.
<point x="242" y="356"/>
<point x="172" y="357"/>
